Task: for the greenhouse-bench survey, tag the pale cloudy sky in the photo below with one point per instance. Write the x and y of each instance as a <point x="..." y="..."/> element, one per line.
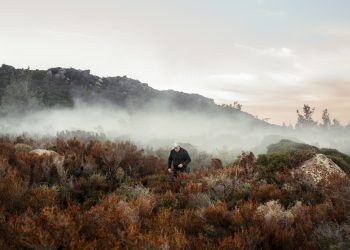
<point x="270" y="55"/>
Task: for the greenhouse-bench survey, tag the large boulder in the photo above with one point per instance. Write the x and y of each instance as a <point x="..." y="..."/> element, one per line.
<point x="22" y="147"/>
<point x="45" y="152"/>
<point x="52" y="158"/>
<point x="318" y="168"/>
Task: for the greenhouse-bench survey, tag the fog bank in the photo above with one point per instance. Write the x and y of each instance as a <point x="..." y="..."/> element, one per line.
<point x="161" y="127"/>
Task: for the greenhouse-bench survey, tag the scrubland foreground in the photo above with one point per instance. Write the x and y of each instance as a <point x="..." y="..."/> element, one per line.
<point x="87" y="193"/>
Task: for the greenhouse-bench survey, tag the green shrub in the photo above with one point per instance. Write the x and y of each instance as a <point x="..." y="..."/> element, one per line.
<point x="342" y="160"/>
<point x="268" y="164"/>
<point x="234" y="197"/>
<point x="288" y="146"/>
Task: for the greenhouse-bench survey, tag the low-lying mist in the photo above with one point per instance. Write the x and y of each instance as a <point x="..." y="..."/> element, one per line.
<point x="157" y="126"/>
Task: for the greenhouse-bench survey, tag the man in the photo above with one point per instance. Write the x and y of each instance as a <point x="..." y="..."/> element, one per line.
<point x="180" y="159"/>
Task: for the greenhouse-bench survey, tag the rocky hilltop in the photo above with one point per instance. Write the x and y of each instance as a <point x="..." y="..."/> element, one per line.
<point x="61" y="87"/>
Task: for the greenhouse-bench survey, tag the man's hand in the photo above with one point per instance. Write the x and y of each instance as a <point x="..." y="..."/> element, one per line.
<point x="169" y="170"/>
<point x="180" y="165"/>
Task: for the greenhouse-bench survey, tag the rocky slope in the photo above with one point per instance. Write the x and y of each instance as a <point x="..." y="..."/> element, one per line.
<point x="60" y="86"/>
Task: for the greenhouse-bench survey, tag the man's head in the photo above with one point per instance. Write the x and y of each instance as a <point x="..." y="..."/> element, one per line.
<point x="176" y="147"/>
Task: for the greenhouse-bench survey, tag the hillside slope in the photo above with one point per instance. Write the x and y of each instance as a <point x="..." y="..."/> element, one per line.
<point x="62" y="86"/>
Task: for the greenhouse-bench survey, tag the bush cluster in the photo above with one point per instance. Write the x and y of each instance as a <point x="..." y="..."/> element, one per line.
<point x="115" y="196"/>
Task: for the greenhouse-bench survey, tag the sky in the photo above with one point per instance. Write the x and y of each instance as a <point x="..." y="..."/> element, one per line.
<point x="272" y="56"/>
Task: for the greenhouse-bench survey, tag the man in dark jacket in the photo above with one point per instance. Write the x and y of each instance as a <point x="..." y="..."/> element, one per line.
<point x="180" y="159"/>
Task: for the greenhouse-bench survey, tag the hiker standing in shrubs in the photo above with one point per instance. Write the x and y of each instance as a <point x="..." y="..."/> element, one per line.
<point x="180" y="159"/>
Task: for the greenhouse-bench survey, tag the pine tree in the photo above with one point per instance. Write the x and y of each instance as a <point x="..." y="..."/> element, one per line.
<point x="305" y="119"/>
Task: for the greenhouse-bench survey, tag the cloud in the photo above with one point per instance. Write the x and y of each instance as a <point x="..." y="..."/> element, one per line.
<point x="283" y="51"/>
<point x="331" y="87"/>
<point x="273" y="13"/>
<point x="234" y="77"/>
<point x="285" y="78"/>
<point x="66" y="34"/>
<point x="337" y="31"/>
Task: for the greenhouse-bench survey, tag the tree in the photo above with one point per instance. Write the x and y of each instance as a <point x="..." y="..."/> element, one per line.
<point x="326" y="120"/>
<point x="237" y="105"/>
<point x="336" y="124"/>
<point x="305" y="119"/>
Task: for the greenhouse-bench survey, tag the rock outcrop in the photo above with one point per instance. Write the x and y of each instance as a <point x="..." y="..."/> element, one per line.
<point x="61" y="87"/>
<point x="51" y="158"/>
<point x="319" y="168"/>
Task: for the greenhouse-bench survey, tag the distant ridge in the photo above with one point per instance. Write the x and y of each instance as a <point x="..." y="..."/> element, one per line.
<point x="59" y="87"/>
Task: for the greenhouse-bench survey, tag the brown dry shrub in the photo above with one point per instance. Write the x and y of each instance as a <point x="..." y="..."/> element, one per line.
<point x="337" y="191"/>
<point x="12" y="190"/>
<point x="111" y="216"/>
<point x="51" y="228"/>
<point x="219" y="185"/>
<point x="219" y="220"/>
<point x="265" y="192"/>
<point x="191" y="222"/>
<point x="37" y="198"/>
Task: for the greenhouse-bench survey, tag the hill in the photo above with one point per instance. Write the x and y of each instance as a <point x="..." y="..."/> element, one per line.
<point x="60" y="87"/>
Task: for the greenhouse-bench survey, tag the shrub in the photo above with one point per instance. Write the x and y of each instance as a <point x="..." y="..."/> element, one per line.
<point x="268" y="164"/>
<point x="118" y="197"/>
<point x="219" y="186"/>
<point x="132" y="192"/>
<point x="342" y="160"/>
<point x="273" y="211"/>
<point x="88" y="189"/>
<point x="12" y="191"/>
<point x="168" y="200"/>
<point x="265" y="192"/>
<point x="219" y="221"/>
<point x="332" y="235"/>
<point x="199" y="200"/>
<point x="234" y="197"/>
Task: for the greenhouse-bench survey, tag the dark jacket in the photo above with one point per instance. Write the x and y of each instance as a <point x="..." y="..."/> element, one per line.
<point x="179" y="157"/>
